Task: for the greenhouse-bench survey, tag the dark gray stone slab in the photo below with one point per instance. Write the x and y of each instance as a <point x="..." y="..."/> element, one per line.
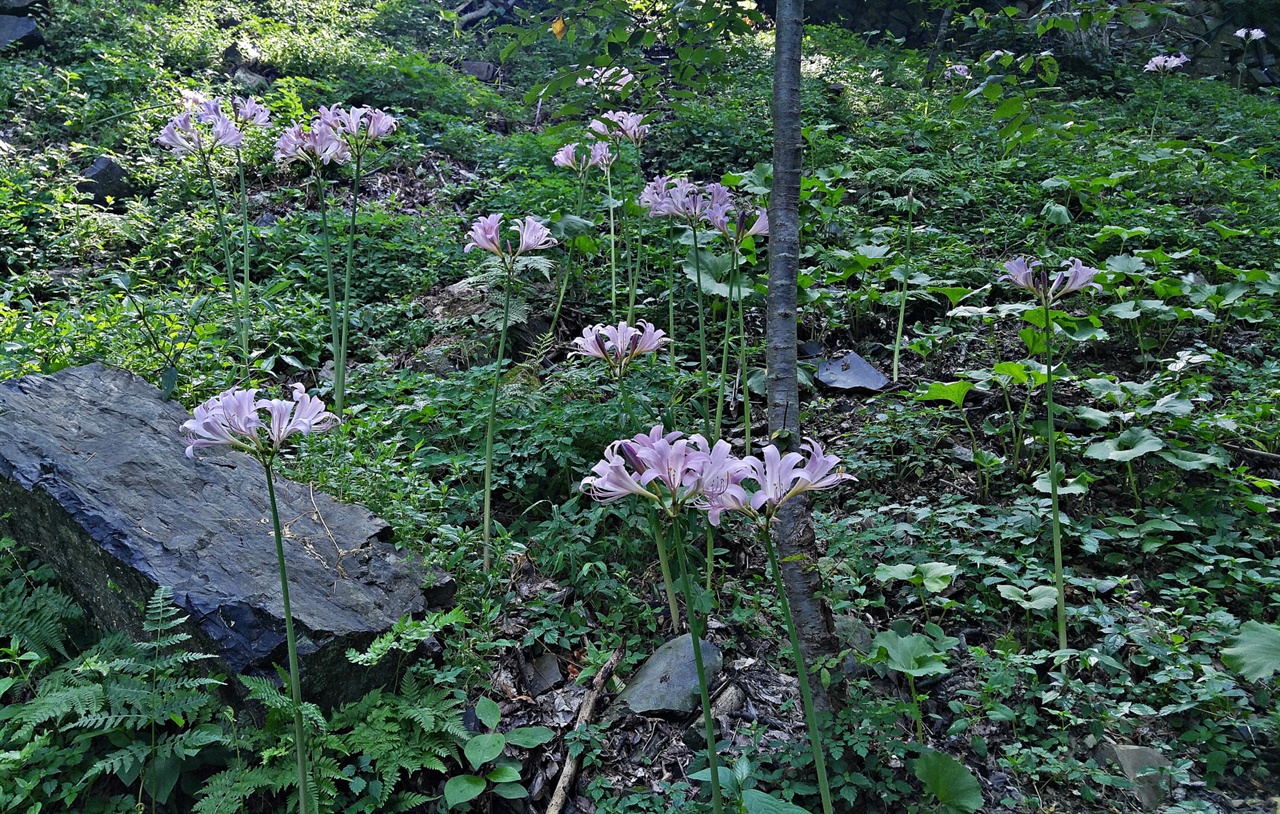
<point x="23" y="7"/>
<point x="19" y="32"/>
<point x="93" y="476"/>
<point x="667" y="683"/>
<point x="851" y="372"/>
<point x="105" y="179"/>
<point x="483" y="71"/>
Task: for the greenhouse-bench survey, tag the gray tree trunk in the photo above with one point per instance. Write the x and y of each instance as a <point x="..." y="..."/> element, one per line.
<point x="793" y="527"/>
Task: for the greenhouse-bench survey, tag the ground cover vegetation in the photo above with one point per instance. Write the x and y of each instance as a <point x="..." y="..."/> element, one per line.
<point x="1061" y="240"/>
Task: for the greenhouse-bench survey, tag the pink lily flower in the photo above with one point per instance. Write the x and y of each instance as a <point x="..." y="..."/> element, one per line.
<point x="225" y="132"/>
<point x="485" y="235"/>
<point x="781" y="477"/>
<point x="304" y="415"/>
<point x="601" y="156"/>
<point x="619" y="345"/>
<point x="181" y="136"/>
<point x="533" y="236"/>
<point x="251" y="112"/>
<point x="612" y="481"/>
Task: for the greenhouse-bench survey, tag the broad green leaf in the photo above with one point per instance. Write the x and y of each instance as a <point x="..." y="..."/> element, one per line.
<point x="483" y="748"/>
<point x="937" y="576"/>
<point x="755" y="801"/>
<point x="462" y="789"/>
<point x="1255" y="651"/>
<point x="527" y="737"/>
<point x="1096" y="419"/>
<point x="903" y="570"/>
<point x="1128" y="445"/>
<point x="914" y="655"/>
<point x="511" y="791"/>
<point x="1227" y="231"/>
<point x="504" y="774"/>
<point x="1125" y="264"/>
<point x="1066" y="486"/>
<point x="488" y="713"/>
<point x="953" y="392"/>
<point x="1016" y="371"/>
<point x="1186" y="459"/>
<point x="949" y="781"/>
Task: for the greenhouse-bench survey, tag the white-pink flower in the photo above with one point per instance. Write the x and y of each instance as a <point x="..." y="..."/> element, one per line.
<point x="232" y="419"/>
<point x="619" y="345"/>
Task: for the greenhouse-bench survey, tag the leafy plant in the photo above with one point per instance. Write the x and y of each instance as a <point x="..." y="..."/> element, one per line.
<point x="483" y="752"/>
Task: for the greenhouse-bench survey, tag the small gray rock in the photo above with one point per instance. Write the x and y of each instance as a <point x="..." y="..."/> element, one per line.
<point x="265" y="220"/>
<point x="667" y="684"/>
<point x="542" y="674"/>
<point x="850" y="372"/>
<point x="250" y="81"/>
<point x="1150" y="789"/>
<point x="104" y="179"/>
<point x="241" y="53"/>
<point x="484" y="71"/>
<point x="23" y="7"/>
<point x="19" y="32"/>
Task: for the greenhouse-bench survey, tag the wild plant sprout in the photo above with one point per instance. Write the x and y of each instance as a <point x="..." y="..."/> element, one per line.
<point x="336" y="136"/>
<point x="486" y="235"/>
<point x="1048" y="290"/>
<point x="210" y="131"/>
<point x="674" y="474"/>
<point x="234" y="419"/>
<point x="1163" y="66"/>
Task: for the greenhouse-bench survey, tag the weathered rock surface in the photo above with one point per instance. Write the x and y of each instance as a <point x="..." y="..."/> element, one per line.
<point x="483" y="71"/>
<point x="667" y="684"/>
<point x="23" y="7"/>
<point x="1150" y="789"/>
<point x="104" y="179"/>
<point x="93" y="476"/>
<point x="851" y="372"/>
<point x="19" y="32"/>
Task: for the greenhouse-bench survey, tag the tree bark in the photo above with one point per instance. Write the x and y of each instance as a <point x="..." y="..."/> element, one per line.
<point x="793" y="526"/>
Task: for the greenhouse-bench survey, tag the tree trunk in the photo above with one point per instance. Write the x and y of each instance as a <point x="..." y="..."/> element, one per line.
<point x="793" y="527"/>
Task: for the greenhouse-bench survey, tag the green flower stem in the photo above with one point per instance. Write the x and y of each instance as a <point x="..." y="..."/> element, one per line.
<point x="245" y="322"/>
<point x="322" y="202"/>
<point x="742" y="371"/>
<point x="671" y="318"/>
<point x="686" y="579"/>
<point x="664" y="561"/>
<point x="613" y="243"/>
<point x="902" y="306"/>
<point x="802" y="673"/>
<point x="702" y="333"/>
<point x="915" y="707"/>
<point x="340" y="353"/>
<point x="1053" y="481"/>
<point x="299" y="733"/>
<point x="568" y="263"/>
<point x="228" y="264"/>
<point x="493" y="415"/>
<point x="634" y="273"/>
<point x="728" y="342"/>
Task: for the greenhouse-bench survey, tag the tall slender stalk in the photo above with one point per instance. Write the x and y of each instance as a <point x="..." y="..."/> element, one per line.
<point x="1052" y="432"/>
<point x="228" y="264"/>
<point x="340" y="352"/>
<point x="245" y="323"/>
<point x="742" y="370"/>
<point x="664" y="561"/>
<point x="906" y="280"/>
<point x="493" y="415"/>
<point x="613" y="242"/>
<point x="695" y="636"/>
<point x="802" y="674"/>
<point x="702" y="332"/>
<point x="299" y="732"/>
<point x="323" y="203"/>
<point x="728" y="337"/>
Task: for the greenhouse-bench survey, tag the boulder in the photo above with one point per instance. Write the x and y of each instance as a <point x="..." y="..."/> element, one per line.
<point x="250" y="81"/>
<point x="1150" y="789"/>
<point x="23" y="7"/>
<point x="241" y="53"/>
<point x="94" y="478"/>
<point x="19" y="32"/>
<point x="104" y="179"/>
<point x="851" y="372"/>
<point x="483" y="71"/>
<point x="667" y="683"/>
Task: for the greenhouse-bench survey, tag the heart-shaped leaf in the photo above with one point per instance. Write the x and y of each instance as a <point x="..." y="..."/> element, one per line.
<point x="462" y="789"/>
<point x="1128" y="445"/>
<point x="953" y="392"/>
<point x="949" y="781"/>
<point x="483" y="748"/>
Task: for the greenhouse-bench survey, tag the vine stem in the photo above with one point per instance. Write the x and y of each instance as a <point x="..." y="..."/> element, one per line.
<point x="664" y="561"/>
<point x="228" y="264"/>
<point x="802" y="674"/>
<point x="493" y="415"/>
<point x="299" y="733"/>
<point x="1052" y="432"/>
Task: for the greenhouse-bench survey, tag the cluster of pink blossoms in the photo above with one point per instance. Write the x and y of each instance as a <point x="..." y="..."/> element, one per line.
<point x="204" y="125"/>
<point x="333" y="135"/>
<point x="619" y="345"/>
<point x="232" y="419"/>
<point x="610" y="80"/>
<point x="1167" y="63"/>
<point x="1251" y="34"/>
<point x="486" y="234"/>
<point x="677" y="472"/>
<point x="597" y="155"/>
<point x="681" y="198"/>
<point x="1029" y="275"/>
<point x="610" y="126"/>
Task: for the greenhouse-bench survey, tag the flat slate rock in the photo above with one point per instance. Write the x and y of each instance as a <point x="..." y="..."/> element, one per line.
<point x="94" y="478"/>
<point x="667" y="683"/>
<point x="19" y="32"/>
<point x="851" y="372"/>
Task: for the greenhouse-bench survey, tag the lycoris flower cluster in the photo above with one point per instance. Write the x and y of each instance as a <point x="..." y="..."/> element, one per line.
<point x="232" y="419"/>
<point x="676" y="473"/>
<point x="953" y="71"/>
<point x="680" y="198"/>
<point x="612" y="80"/>
<point x="620" y="124"/>
<point x="333" y="135"/>
<point x="1167" y="63"/>
<point x="205" y="126"/>
<point x="486" y="233"/>
<point x="1029" y="275"/>
<point x="619" y="345"/>
<point x="1251" y="34"/>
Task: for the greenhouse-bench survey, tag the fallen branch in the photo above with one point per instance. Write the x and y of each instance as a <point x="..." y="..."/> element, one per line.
<point x="585" y="712"/>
